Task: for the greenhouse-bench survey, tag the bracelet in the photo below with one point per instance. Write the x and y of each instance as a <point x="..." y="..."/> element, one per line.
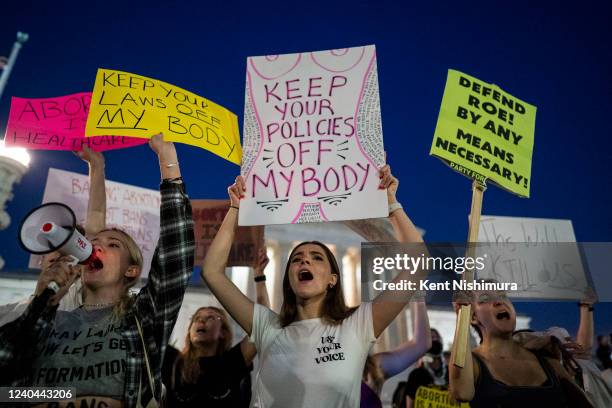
<point x="394" y="207"/>
<point x="260" y="278"/>
<point x="171" y="165"/>
<point x="591" y="308"/>
<point x="233" y="206"/>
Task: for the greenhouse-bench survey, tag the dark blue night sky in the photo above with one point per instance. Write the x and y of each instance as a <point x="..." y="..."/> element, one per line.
<point x="554" y="56"/>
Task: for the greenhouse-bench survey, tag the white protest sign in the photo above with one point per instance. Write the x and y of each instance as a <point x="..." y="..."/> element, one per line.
<point x="539" y="255"/>
<point x="312" y="142"/>
<point x="133" y="209"/>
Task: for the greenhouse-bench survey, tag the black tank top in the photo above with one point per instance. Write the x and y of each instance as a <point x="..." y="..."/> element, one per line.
<point x="491" y="393"/>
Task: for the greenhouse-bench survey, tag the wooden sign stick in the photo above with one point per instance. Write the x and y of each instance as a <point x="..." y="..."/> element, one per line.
<point x="461" y="343"/>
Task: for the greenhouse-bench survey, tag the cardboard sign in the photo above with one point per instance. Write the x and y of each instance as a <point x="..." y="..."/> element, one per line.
<point x="539" y="255"/>
<point x="57" y="124"/>
<point x="485" y="133"/>
<point x="427" y="397"/>
<point x="207" y="217"/>
<point x="312" y="138"/>
<point x="138" y="106"/>
<point x="133" y="209"/>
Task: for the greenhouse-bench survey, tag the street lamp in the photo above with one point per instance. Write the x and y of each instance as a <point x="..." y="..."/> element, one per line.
<point x="21" y="39"/>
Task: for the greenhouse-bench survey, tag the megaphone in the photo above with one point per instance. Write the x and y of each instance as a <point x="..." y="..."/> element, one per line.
<point x="52" y="227"/>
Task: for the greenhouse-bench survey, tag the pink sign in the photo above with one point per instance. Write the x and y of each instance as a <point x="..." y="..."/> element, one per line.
<point x="57" y="124"/>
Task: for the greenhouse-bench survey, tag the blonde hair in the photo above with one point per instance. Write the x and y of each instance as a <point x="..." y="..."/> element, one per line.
<point x="188" y="361"/>
<point x="135" y="259"/>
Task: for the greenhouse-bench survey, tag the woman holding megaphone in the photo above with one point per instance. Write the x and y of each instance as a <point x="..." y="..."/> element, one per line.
<point x="95" y="221"/>
<point x="110" y="349"/>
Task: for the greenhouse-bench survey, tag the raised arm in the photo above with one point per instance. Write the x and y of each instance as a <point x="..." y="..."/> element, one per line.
<point x="172" y="264"/>
<point x="261" y="291"/>
<point x="404" y="229"/>
<point x="585" y="329"/>
<point x="96" y="207"/>
<point x="233" y="300"/>
<point x="395" y="361"/>
<point x="247" y="347"/>
<point x="389" y="304"/>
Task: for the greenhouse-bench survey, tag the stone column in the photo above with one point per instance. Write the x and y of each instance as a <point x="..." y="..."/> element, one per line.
<point x="11" y="172"/>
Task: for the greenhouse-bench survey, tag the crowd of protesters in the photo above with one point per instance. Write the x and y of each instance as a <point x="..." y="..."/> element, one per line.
<point x="316" y="352"/>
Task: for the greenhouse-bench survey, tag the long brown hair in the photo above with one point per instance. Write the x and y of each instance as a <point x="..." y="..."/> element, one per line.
<point x="334" y="308"/>
<point x="188" y="360"/>
<point x="372" y="368"/>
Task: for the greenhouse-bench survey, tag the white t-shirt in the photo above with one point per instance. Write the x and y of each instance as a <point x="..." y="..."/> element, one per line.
<point x="310" y="364"/>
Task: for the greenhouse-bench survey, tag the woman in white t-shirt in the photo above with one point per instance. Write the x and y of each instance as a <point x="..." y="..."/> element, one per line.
<point x="312" y="354"/>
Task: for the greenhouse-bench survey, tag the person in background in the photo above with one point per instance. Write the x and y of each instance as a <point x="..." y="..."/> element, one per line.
<point x="382" y="366"/>
<point x="433" y="361"/>
<point x="110" y="348"/>
<point x="604" y="352"/>
<point x="209" y="372"/>
<point x="446" y="358"/>
<point x="95" y="221"/>
<point x="430" y="370"/>
<point x="500" y="371"/>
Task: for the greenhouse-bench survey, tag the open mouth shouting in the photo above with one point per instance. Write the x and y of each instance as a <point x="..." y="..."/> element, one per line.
<point x="96" y="265"/>
<point x="504" y="315"/>
<point x="305" y="275"/>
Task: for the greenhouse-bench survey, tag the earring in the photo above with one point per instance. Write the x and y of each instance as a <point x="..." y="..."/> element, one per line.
<point x="331" y="285"/>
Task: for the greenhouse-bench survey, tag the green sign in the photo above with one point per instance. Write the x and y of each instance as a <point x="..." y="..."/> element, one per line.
<point x="485" y="133"/>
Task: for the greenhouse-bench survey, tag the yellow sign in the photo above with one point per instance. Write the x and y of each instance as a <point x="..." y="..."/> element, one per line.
<point x="485" y="133"/>
<point x="134" y="105"/>
<point x="427" y="397"/>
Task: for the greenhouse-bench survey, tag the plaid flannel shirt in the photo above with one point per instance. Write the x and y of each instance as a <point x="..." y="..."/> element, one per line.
<point x="156" y="306"/>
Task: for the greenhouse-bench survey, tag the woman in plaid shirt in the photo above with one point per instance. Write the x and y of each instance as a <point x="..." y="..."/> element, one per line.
<point x="97" y="348"/>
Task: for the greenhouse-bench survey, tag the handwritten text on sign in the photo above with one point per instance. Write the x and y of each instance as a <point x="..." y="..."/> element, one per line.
<point x="207" y="217"/>
<point x="485" y="133"/>
<point x="57" y="124"/>
<point x="133" y="209"/>
<point x="539" y="255"/>
<point x="138" y="106"/>
<point x="312" y="138"/>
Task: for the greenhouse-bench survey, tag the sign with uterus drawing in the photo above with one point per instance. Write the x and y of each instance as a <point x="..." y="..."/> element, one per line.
<point x="313" y="145"/>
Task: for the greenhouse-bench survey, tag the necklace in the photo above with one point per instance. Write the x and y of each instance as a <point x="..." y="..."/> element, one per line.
<point x="97" y="305"/>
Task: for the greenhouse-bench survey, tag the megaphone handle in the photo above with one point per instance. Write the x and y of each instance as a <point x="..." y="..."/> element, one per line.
<point x="40" y="302"/>
<point x="51" y="289"/>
